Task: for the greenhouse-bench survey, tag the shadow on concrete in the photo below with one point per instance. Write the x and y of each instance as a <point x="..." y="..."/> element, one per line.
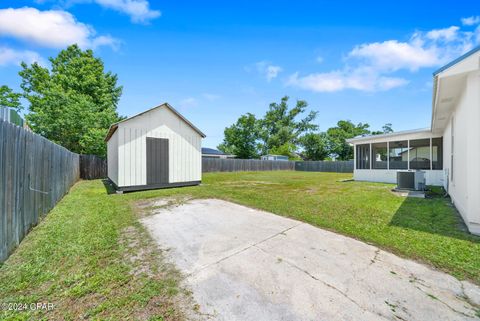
<point x="434" y="215"/>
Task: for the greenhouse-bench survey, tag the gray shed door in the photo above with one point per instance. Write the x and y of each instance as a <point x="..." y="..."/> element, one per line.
<point x="157" y="161"/>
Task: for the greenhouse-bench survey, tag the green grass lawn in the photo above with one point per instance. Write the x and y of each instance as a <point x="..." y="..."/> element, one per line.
<point x="83" y="256"/>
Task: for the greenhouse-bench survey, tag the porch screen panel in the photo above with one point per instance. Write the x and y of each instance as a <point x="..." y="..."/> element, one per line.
<point x="379" y="156"/>
<point x="420" y="154"/>
<point x="437" y="153"/>
<point x="363" y="156"/>
<point x="399" y="155"/>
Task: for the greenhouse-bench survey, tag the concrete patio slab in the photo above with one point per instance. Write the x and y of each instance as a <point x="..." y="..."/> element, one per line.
<point x="246" y="264"/>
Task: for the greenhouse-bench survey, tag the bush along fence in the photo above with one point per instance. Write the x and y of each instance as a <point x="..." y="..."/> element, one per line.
<point x="92" y="167"/>
<point x="325" y="166"/>
<point x="34" y="175"/>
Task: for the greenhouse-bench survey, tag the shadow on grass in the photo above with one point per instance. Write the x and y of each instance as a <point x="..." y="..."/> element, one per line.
<point x="436" y="216"/>
<point x="108" y="186"/>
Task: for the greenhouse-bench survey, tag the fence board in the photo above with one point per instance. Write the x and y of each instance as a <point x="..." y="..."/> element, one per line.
<point x="92" y="167"/>
<point x="325" y="166"/>
<point x="237" y="165"/>
<point x="34" y="175"/>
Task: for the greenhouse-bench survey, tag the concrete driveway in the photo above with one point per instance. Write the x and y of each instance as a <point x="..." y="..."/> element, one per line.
<point x="245" y="264"/>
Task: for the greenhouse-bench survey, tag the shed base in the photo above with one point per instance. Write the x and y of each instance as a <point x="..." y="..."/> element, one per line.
<point x="154" y="186"/>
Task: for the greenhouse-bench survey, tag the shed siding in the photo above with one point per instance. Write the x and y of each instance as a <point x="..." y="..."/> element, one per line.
<point x="112" y="158"/>
<point x="184" y="145"/>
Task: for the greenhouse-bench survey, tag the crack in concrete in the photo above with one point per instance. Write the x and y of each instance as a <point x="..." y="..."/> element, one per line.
<point x="242" y="250"/>
<point x="445" y="304"/>
<point x="326" y="284"/>
<point x="466" y="298"/>
<point x="374" y="259"/>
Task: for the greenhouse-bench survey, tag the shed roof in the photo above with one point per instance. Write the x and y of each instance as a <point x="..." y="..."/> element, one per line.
<point x="114" y="126"/>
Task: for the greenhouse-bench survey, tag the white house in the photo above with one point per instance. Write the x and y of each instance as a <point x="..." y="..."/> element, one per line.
<point x="448" y="151"/>
<point x="214" y="153"/>
<point x="154" y="149"/>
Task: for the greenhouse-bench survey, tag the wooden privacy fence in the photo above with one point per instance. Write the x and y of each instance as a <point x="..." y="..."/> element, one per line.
<point x="239" y="165"/>
<point x="34" y="175"/>
<point x="92" y="167"/>
<point x="325" y="166"/>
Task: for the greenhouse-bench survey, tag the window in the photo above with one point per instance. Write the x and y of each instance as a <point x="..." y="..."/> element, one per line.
<point x="420" y="154"/>
<point x="399" y="155"/>
<point x="363" y="156"/>
<point x="379" y="156"/>
<point x="437" y="153"/>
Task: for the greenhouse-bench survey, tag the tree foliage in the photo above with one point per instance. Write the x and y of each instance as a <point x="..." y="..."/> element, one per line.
<point x="278" y="132"/>
<point x="241" y="139"/>
<point x="8" y="98"/>
<point x="281" y="127"/>
<point x="315" y="146"/>
<point x="281" y="132"/>
<point x="338" y="135"/>
<point x="74" y="102"/>
<point x="386" y="129"/>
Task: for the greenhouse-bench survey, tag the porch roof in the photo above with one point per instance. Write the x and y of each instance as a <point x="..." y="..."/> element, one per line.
<point x="400" y="135"/>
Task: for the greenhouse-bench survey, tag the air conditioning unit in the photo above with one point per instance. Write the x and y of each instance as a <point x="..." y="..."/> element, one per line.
<point x="411" y="180"/>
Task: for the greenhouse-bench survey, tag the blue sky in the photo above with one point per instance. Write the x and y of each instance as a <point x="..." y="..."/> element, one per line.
<point x="216" y="60"/>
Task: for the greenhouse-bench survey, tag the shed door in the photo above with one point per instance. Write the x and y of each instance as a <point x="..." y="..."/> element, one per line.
<point x="157" y="161"/>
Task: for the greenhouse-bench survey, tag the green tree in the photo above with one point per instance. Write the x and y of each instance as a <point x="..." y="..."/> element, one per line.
<point x="241" y="139"/>
<point x="315" y="146"/>
<point x="338" y="135"/>
<point x="74" y="102"/>
<point x="8" y="98"/>
<point x="387" y="128"/>
<point x="287" y="149"/>
<point x="280" y="126"/>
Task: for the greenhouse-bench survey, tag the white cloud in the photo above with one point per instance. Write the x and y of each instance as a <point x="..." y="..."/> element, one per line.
<point x="268" y="70"/>
<point x="363" y="80"/>
<point x="211" y="97"/>
<point x="319" y="59"/>
<point x="447" y="34"/>
<point x="470" y="21"/>
<point x="371" y="66"/>
<point x="188" y="102"/>
<point x="392" y="55"/>
<point x="138" y="10"/>
<point x="51" y="28"/>
<point x="10" y="56"/>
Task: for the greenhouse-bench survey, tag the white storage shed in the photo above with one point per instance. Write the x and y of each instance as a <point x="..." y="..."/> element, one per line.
<point x="158" y="148"/>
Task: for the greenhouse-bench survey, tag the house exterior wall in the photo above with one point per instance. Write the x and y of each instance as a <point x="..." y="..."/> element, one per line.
<point x="464" y="189"/>
<point x="185" y="161"/>
<point x="433" y="177"/>
<point x="112" y="158"/>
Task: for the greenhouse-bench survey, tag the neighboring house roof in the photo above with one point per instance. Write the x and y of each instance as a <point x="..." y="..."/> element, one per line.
<point x="212" y="151"/>
<point x="114" y="126"/>
<point x="403" y="132"/>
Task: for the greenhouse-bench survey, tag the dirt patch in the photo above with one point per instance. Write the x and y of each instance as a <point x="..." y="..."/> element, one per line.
<point x="152" y="206"/>
<point x="247" y="183"/>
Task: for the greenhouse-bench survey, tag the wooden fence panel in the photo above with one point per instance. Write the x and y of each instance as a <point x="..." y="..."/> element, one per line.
<point x="325" y="166"/>
<point x="238" y="165"/>
<point x="92" y="167"/>
<point x="34" y="175"/>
